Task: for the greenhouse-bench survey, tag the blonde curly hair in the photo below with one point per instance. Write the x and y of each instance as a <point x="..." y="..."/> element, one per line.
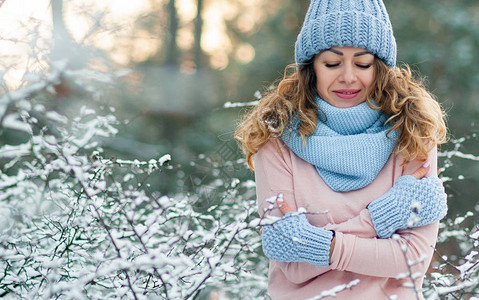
<point x="413" y="111"/>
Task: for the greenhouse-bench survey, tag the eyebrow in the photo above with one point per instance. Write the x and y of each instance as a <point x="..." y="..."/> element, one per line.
<point x="355" y="54"/>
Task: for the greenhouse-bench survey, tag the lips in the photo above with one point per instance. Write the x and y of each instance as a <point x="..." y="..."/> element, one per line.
<point x="347" y="93"/>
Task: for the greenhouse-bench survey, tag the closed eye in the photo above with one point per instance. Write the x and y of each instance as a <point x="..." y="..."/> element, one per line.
<point x="365" y="66"/>
<point x="331" y="65"/>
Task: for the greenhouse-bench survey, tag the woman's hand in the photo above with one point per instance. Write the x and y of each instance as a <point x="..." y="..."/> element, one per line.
<point x="285" y="208"/>
<point x="422" y="171"/>
<point x="294" y="239"/>
<point x="413" y="201"/>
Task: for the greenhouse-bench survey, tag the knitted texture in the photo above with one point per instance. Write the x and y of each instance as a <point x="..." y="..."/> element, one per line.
<point x="294" y="239"/>
<point x="356" y="23"/>
<point x="409" y="203"/>
<point x="349" y="147"/>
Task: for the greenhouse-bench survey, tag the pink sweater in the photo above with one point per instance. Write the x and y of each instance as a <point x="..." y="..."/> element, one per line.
<point x="358" y="254"/>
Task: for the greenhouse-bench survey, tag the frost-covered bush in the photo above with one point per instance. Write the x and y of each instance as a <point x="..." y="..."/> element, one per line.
<point x="75" y="224"/>
<point x="455" y="273"/>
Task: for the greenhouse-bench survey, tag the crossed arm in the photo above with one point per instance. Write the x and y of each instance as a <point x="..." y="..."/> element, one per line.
<point x="386" y="233"/>
<point x="357" y="251"/>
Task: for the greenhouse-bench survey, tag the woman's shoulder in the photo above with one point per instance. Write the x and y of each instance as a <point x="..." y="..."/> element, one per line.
<point x="274" y="150"/>
<point x="274" y="146"/>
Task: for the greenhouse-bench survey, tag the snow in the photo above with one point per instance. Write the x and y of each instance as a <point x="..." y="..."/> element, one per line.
<point x="461" y="219"/>
<point x="10" y="151"/>
<point x="164" y="159"/>
<point x="240" y="104"/>
<point x="249" y="184"/>
<point x="461" y="286"/>
<point x="297" y="240"/>
<point x="334" y="291"/>
<point x="11" y="121"/>
<point x="56" y="117"/>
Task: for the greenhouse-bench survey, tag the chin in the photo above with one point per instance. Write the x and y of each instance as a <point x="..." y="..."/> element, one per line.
<point x="344" y="103"/>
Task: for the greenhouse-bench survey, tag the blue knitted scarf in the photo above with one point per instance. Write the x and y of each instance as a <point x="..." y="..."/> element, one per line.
<point x="349" y="146"/>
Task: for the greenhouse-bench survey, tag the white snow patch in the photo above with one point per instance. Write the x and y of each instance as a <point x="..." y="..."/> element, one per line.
<point x="165" y="158"/>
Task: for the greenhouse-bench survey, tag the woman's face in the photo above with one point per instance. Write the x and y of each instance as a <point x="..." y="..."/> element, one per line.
<point x="344" y="75"/>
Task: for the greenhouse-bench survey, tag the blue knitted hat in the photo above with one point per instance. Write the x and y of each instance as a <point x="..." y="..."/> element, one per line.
<point x="356" y="23"/>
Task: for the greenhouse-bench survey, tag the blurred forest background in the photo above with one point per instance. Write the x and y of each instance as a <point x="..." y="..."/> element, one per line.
<point x="187" y="58"/>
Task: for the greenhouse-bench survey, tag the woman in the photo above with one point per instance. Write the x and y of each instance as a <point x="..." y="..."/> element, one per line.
<point x="346" y="146"/>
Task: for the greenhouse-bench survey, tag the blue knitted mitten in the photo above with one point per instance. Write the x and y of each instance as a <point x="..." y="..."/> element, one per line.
<point x="394" y="210"/>
<point x="293" y="239"/>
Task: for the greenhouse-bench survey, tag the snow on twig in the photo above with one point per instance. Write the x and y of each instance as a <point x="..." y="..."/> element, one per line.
<point x="336" y="290"/>
<point x="240" y="104"/>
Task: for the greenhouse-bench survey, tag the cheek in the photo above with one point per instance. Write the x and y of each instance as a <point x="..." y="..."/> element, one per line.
<point x="368" y="79"/>
<point x="322" y="83"/>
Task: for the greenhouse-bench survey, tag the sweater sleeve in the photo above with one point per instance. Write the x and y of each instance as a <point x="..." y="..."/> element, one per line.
<point x="273" y="176"/>
<point x="385" y="257"/>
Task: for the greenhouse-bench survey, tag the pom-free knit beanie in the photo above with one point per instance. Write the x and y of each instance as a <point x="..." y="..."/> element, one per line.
<point x="355" y="23"/>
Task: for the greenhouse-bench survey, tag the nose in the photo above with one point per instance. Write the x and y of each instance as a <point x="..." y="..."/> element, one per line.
<point x="347" y="75"/>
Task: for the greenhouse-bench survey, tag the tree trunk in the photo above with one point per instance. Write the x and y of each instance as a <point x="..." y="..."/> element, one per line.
<point x="61" y="38"/>
<point x="172" y="51"/>
<point x="198" y="51"/>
